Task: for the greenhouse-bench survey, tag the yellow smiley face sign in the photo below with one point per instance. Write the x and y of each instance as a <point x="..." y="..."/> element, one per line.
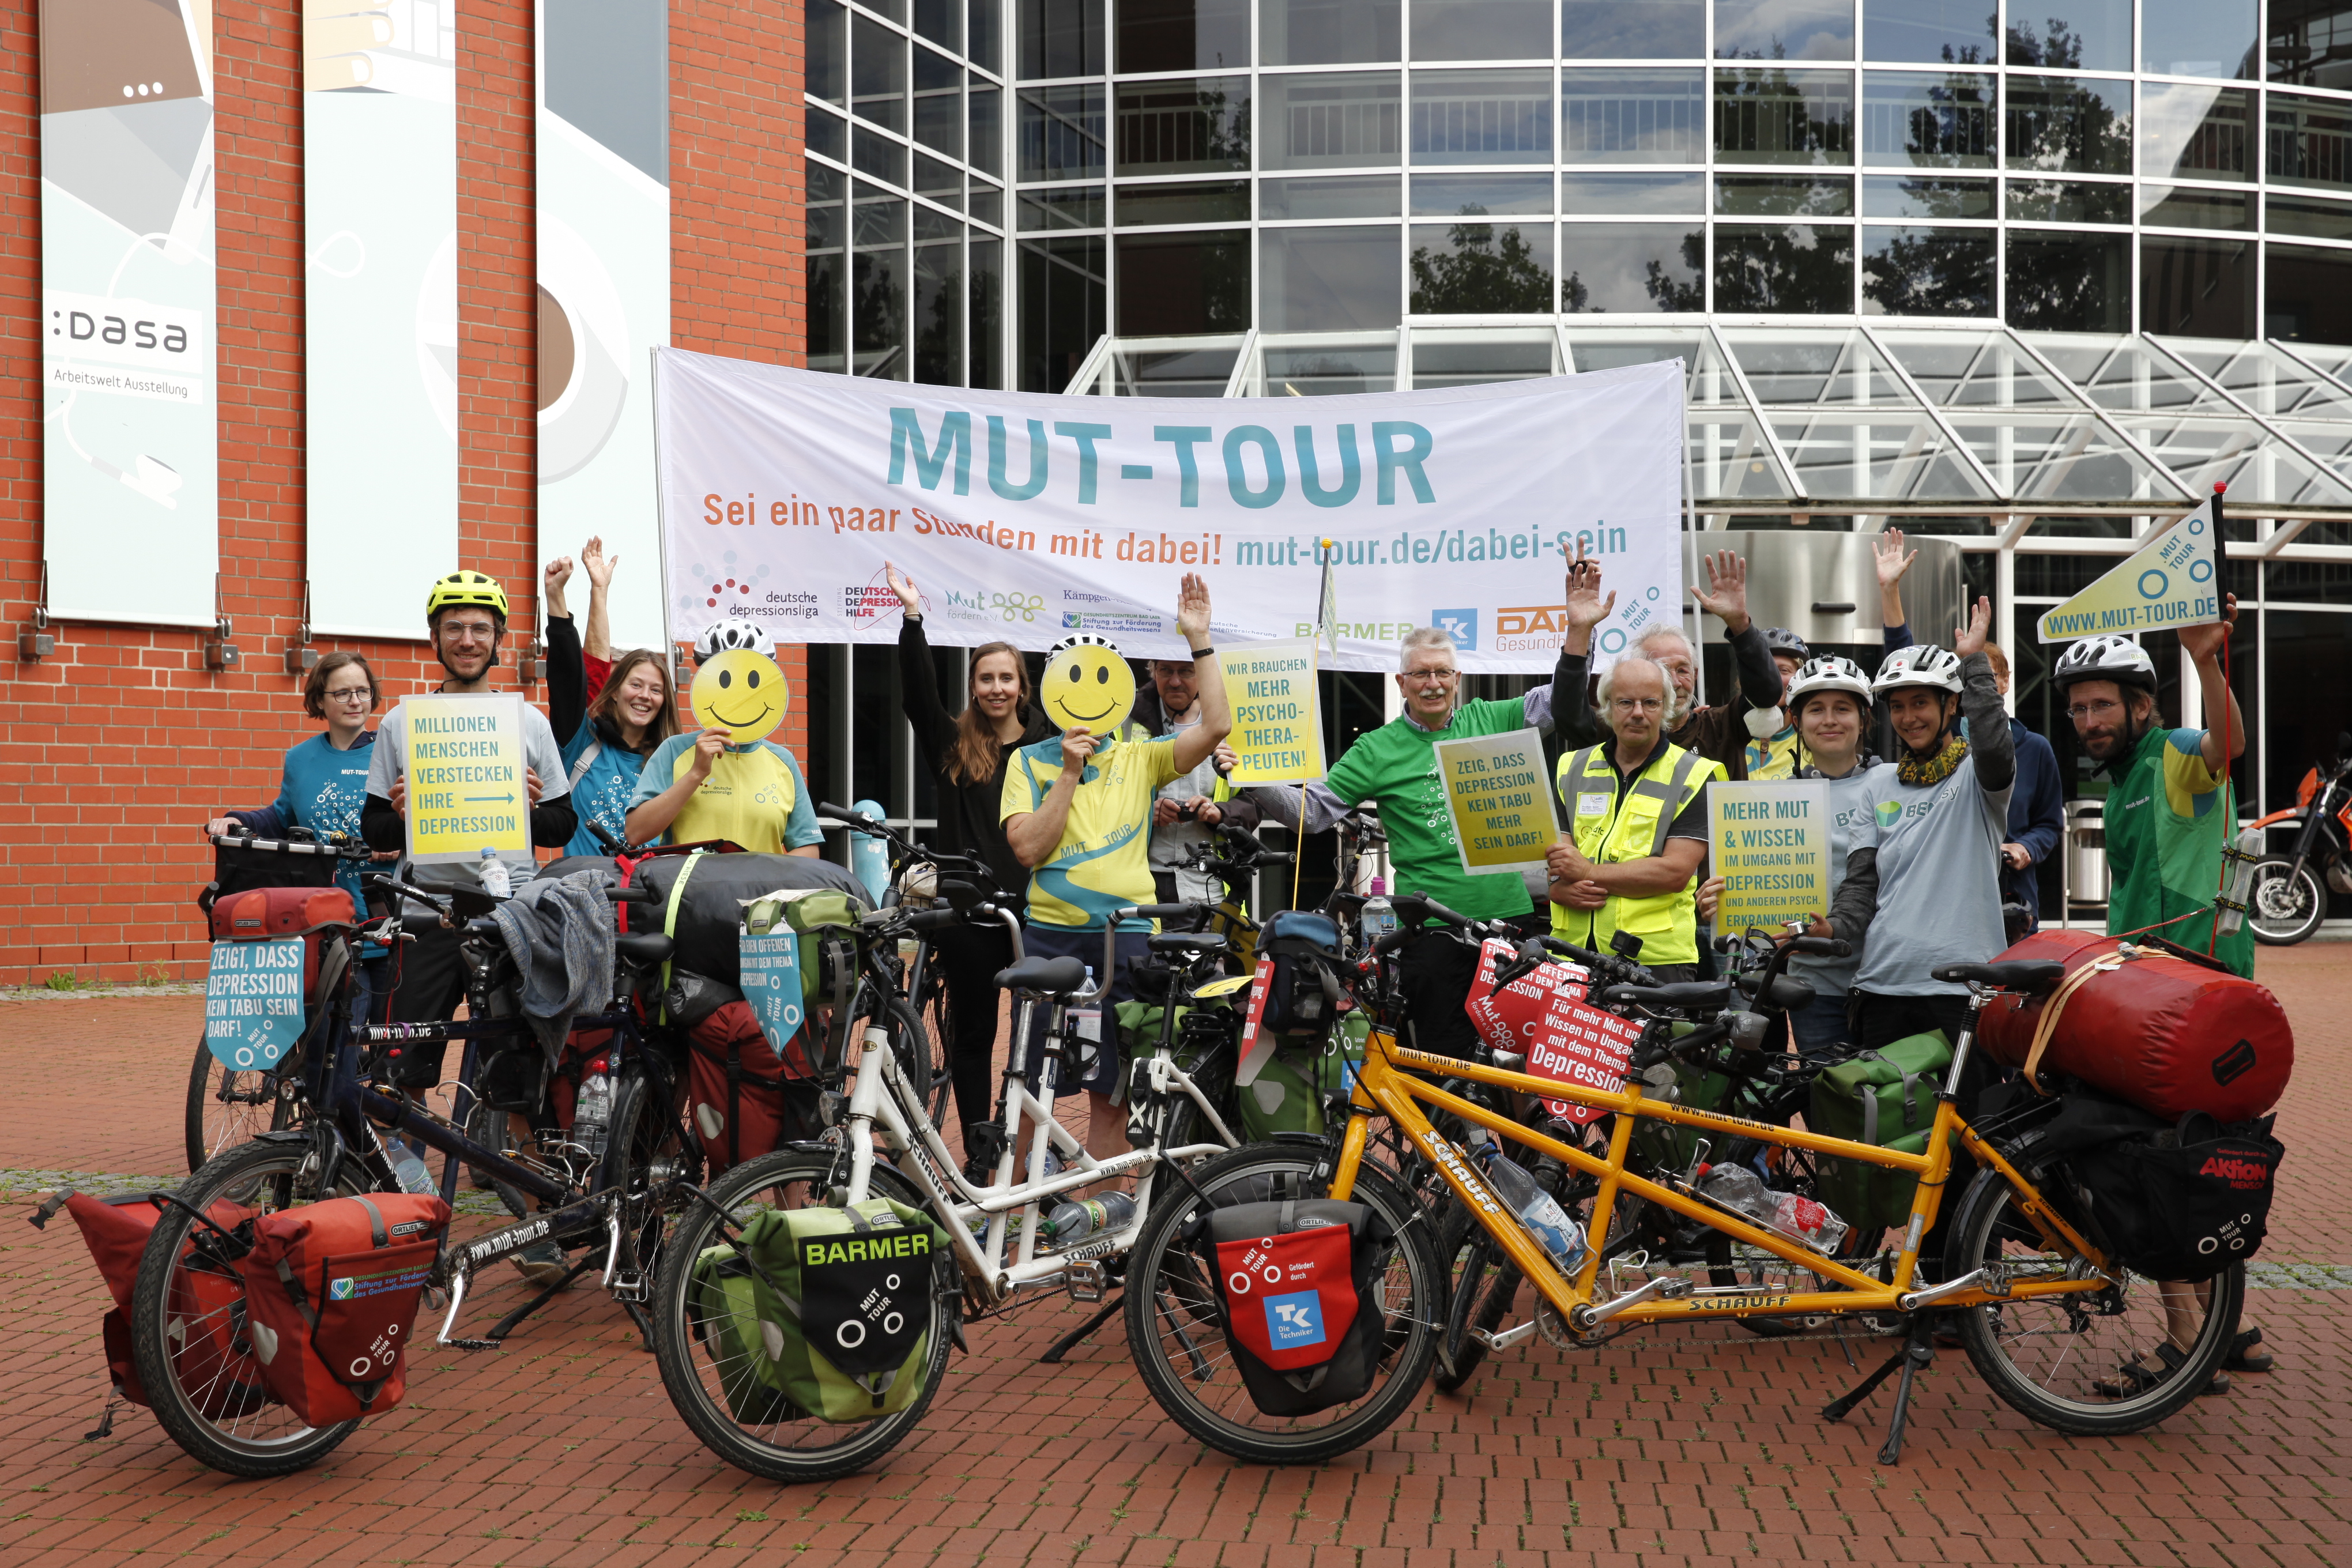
<point x="741" y="692"/>
<point x="1088" y="683"/>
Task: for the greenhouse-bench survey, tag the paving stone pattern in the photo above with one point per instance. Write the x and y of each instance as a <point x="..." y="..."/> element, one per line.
<point x="1701" y="1448"/>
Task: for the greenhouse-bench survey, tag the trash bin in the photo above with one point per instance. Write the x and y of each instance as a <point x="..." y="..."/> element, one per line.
<point x="2086" y="852"/>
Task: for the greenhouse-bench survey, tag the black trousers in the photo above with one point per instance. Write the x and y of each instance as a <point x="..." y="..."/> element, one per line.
<point x="1434" y="971"/>
<point x="968" y="958"/>
<point x="1881" y="1020"/>
<point x="429" y="981"/>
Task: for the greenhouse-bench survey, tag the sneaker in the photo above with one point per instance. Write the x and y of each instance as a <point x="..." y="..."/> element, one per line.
<point x="542" y="1265"/>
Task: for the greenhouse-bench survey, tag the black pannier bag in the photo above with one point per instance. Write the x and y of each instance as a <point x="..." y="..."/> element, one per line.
<point x="1303" y="996"/>
<point x="295" y="861"/>
<point x="1299" y="1289"/>
<point x="707" y="921"/>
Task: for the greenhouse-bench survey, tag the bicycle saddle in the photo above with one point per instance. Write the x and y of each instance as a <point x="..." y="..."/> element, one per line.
<point x="1052" y="976"/>
<point x="2035" y="978"/>
<point x="1180" y="942"/>
<point x="643" y="948"/>
<point x="1683" y="993"/>
<point x="1788" y="993"/>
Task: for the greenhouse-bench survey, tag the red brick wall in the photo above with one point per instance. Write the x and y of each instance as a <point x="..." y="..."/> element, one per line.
<point x="101" y="851"/>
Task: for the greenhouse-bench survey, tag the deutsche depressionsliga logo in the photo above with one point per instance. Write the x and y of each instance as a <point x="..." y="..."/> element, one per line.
<point x="1462" y="625"/>
<point x="1294" y="1320"/>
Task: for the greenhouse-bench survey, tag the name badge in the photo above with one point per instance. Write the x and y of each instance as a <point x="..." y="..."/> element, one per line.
<point x="1595" y="804"/>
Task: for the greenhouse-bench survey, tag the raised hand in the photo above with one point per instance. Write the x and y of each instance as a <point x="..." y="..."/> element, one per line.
<point x="904" y="587"/>
<point x="1078" y="743"/>
<point x="1586" y="609"/>
<point x="1894" y="561"/>
<point x="2205" y="642"/>
<point x="596" y="563"/>
<point x="551" y="579"/>
<point x="1192" y="610"/>
<point x="1726" y="593"/>
<point x="1971" y="638"/>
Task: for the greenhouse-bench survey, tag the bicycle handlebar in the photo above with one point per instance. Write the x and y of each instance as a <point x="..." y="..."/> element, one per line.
<point x="334" y="846"/>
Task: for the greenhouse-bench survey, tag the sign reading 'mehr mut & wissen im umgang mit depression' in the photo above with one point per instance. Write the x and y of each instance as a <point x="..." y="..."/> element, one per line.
<point x="1028" y="517"/>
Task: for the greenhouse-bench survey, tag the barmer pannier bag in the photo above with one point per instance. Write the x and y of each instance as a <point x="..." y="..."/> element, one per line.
<point x="331" y="1293"/>
<point x="1299" y="1283"/>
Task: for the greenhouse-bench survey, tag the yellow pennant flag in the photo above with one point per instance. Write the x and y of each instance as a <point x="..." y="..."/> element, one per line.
<point x="2172" y="581"/>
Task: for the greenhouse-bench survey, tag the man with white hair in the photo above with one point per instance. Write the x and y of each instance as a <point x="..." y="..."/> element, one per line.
<point x="1636" y="821"/>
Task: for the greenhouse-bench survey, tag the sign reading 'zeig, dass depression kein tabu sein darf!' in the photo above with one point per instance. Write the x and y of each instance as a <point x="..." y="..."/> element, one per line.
<point x="1495" y="794"/>
<point x="467" y="789"/>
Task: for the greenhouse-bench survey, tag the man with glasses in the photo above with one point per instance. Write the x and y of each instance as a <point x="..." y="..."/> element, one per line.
<point x="1636" y="823"/>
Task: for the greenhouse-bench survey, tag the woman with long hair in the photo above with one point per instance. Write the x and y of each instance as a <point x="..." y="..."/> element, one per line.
<point x="966" y="751"/>
<point x="608" y="714"/>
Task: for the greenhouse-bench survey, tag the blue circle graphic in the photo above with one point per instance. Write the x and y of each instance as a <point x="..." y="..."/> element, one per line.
<point x="2200" y="571"/>
<point x="1613" y="640"/>
<point x="1653" y="593"/>
<point x="2196" y="526"/>
<point x="2162" y="583"/>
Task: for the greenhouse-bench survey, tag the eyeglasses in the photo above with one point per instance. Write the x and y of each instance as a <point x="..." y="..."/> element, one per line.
<point x="352" y="694"/>
<point x="477" y="631"/>
<point x="1424" y="676"/>
<point x="1637" y="704"/>
<point x="2099" y="710"/>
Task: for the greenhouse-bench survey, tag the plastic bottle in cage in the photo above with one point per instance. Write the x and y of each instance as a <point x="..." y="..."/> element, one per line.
<point x="408" y="1168"/>
<point x="2240" y="856"/>
<point x="1072" y="1222"/>
<point x="496" y="881"/>
<point x="1379" y="915"/>
<point x="1538" y="1210"/>
<point x="1800" y="1219"/>
<point x="592" y="1112"/>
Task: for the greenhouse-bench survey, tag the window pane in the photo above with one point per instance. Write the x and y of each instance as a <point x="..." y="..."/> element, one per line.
<point x="1796" y="269"/>
<point x="2310" y="43"/>
<point x="2177" y="206"/>
<point x="942" y="183"/>
<point x="2298" y="215"/>
<point x="987" y="312"/>
<point x="2055" y="201"/>
<point x="1179" y="284"/>
<point x="2197" y="288"/>
<point x="1331" y="371"/>
<point x="2196" y="132"/>
<point x="1782" y="195"/>
<point x="877" y="280"/>
<point x="1364" y="195"/>
<point x="827" y="67"/>
<point x="1327" y="280"/>
<point x="878" y="75"/>
<point x="828" y="135"/>
<point x="938" y="313"/>
<point x="1633" y="29"/>
<point x="1330" y="121"/>
<point x="939" y="103"/>
<point x="1061" y="37"/>
<point x="1784" y="30"/>
<point x="988" y="205"/>
<point x="1481" y="117"/>
<point x="871" y="153"/>
<point x="828" y="272"/>
<point x="1063" y="309"/>
<point x="1185" y="127"/>
<point x="1956" y="30"/>
<point x="1072" y="207"/>
<point x="1632" y="267"/>
<point x="2071" y="35"/>
<point x="941" y="21"/>
<point x="1886" y="197"/>
<point x="2198" y="37"/>
<point x="2068" y="126"/>
<point x="2068" y="282"/>
<point x="1225" y="200"/>
<point x="984" y="110"/>
<point x="1481" y="268"/>
<point x="1330" y="32"/>
<point x="1633" y="117"/>
<point x="1774" y="116"/>
<point x="1926" y="272"/>
<point x="1481" y="29"/>
<point x="2308" y="293"/>
<point x="1061" y="133"/>
<point x="1444" y="195"/>
<point x="984" y="32"/>
<point x="1183" y="34"/>
<point x="1939" y="121"/>
<point x="1632" y="194"/>
<point x="2310" y="142"/>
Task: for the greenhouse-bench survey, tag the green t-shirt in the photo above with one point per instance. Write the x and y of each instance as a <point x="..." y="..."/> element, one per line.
<point x="1395" y="766"/>
<point x="2167" y="818"/>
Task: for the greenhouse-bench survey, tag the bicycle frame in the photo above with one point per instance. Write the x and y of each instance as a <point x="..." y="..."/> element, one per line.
<point x="1382" y="1086"/>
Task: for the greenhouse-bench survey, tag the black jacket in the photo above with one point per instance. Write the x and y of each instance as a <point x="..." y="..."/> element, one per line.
<point x="969" y="819"/>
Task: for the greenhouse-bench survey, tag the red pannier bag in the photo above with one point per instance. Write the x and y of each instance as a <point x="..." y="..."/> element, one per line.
<point x="1296" y="1279"/>
<point x="261" y="912"/>
<point x="210" y="1356"/>
<point x="742" y="1100"/>
<point x="2166" y="1033"/>
<point x="332" y="1290"/>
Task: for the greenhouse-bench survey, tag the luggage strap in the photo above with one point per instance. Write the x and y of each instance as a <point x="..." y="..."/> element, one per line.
<point x="587" y="760"/>
<point x="669" y="919"/>
<point x="2048" y="1026"/>
<point x="1870" y="1097"/>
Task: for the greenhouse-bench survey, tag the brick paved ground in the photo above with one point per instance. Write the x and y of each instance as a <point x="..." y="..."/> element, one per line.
<point x="563" y="1449"/>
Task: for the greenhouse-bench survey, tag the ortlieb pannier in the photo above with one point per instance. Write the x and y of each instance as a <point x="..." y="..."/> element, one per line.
<point x="1299" y="1283"/>
<point x="331" y="1293"/>
<point x="741" y="1097"/>
<point x="210" y="1356"/>
<point x="821" y="1312"/>
<point x="2166" y="1033"/>
<point x="1886" y="1096"/>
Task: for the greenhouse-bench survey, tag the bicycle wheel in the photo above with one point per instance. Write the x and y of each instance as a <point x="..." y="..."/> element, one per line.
<point x="197" y="1368"/>
<point x="494" y="1128"/>
<point x="2063" y="1361"/>
<point x="643" y="1154"/>
<point x="1485" y="1283"/>
<point x="795" y="1446"/>
<point x="227" y="1107"/>
<point x="1172" y="1325"/>
<point x="938" y="1024"/>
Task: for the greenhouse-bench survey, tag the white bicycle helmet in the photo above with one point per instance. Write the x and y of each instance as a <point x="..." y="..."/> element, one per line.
<point x="2118" y="660"/>
<point x="1080" y="640"/>
<point x="1923" y="664"/>
<point x="1828" y="673"/>
<point x="718" y="636"/>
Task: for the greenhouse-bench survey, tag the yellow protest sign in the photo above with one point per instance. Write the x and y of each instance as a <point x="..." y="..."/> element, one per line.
<point x="1771" y="848"/>
<point x="465" y="777"/>
<point x="2172" y="581"/>
<point x="1497" y="798"/>
<point x="1277" y="728"/>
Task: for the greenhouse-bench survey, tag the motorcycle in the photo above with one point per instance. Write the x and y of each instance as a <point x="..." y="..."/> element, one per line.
<point x="2288" y="897"/>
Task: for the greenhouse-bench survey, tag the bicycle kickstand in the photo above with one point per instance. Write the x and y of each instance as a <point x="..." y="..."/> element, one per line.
<point x="1918" y="1351"/>
<point x="1069" y="1342"/>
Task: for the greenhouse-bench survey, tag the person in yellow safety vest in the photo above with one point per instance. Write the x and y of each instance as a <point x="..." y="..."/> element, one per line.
<point x="1637" y="822"/>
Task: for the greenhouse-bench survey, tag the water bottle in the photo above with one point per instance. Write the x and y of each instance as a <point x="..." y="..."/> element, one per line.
<point x="495" y="878"/>
<point x="408" y="1168"/>
<point x="1545" y="1219"/>
<point x="1379" y="915"/>
<point x="1073" y="1222"/>
<point x="2242" y="856"/>
<point x="1738" y="1188"/>
<point x="594" y="1109"/>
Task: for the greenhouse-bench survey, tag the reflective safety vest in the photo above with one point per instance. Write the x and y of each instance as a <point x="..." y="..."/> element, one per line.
<point x="1610" y="828"/>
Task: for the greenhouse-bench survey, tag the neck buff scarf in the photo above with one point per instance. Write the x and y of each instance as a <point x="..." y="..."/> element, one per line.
<point x="1933" y="767"/>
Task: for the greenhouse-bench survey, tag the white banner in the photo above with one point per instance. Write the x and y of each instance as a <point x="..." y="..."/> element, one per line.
<point x="1028" y="517"/>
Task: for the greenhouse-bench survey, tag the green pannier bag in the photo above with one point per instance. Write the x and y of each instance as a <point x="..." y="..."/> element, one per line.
<point x="1886" y="1096"/>
<point x="1299" y="1079"/>
<point x="821" y="1312"/>
<point x="1668" y="1145"/>
<point x="820" y="916"/>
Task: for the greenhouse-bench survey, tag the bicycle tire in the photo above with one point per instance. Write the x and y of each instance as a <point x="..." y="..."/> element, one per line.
<point x="645" y="1151"/>
<point x="1485" y="1283"/>
<point x="242" y="1434"/>
<point x="2058" y="1389"/>
<point x="684" y="1353"/>
<point x="215" y="1120"/>
<point x="939" y="1022"/>
<point x="1164" y="1285"/>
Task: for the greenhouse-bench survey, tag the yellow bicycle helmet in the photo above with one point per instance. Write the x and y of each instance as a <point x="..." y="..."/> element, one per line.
<point x="466" y="588"/>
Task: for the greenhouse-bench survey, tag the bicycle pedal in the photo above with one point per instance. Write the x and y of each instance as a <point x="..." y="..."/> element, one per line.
<point x="1085" y="1281"/>
<point x="631" y="1285"/>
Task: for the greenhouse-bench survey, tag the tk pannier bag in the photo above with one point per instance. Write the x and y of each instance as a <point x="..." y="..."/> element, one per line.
<point x="1886" y="1096"/>
<point x="2168" y="1033"/>
<point x="822" y="1312"/>
<point x="1298" y="1281"/>
<point x="212" y="1358"/>
<point x="332" y="1290"/>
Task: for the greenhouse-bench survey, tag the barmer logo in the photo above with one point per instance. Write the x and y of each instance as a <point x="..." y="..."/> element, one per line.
<point x="1462" y="625"/>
